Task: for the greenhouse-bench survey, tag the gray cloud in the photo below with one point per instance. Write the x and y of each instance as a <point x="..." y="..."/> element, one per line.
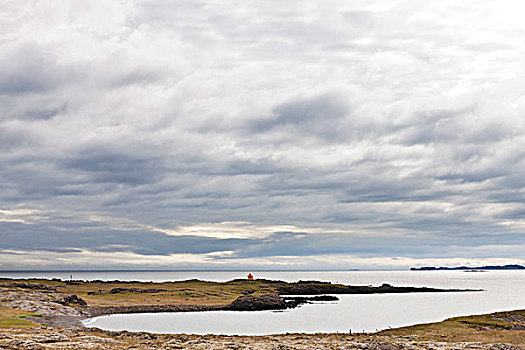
<point x="104" y="165"/>
<point x="365" y="127"/>
<point x="77" y="236"/>
<point x="29" y="68"/>
<point x="321" y="117"/>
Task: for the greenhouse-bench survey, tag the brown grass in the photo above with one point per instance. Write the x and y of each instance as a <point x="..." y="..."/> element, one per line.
<point x="476" y="328"/>
<point x="191" y="292"/>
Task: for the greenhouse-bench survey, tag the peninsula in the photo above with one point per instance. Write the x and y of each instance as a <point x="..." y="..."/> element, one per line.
<point x="95" y="298"/>
<point x="479" y="268"/>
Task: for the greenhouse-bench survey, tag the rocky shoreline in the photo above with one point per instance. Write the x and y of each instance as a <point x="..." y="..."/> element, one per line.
<point x="70" y="338"/>
<point x="243" y="303"/>
<point x="57" y="316"/>
<point x="269" y="297"/>
<point x="42" y="297"/>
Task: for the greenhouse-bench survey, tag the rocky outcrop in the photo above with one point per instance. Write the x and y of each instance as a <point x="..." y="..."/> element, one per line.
<point x="316" y="288"/>
<point x="513" y="321"/>
<point x="304" y="300"/>
<point x="505" y="347"/>
<point x="258" y="302"/>
<point x="41" y="303"/>
<point x="72" y="299"/>
<point x="25" y="285"/>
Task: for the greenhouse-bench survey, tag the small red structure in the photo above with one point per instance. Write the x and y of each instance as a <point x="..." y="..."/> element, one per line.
<point x="250" y="277"/>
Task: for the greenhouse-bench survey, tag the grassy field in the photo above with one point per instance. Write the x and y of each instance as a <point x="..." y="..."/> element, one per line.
<point x="14" y="318"/>
<point x="500" y="327"/>
<point x="191" y="292"/>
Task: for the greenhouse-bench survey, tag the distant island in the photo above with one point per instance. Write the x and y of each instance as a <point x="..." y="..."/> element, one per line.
<point x="467" y="268"/>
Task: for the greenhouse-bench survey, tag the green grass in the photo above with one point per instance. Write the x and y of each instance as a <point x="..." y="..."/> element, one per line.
<point x="15" y="322"/>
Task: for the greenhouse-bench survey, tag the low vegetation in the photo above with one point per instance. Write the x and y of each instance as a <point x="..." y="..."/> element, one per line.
<point x="500" y="327"/>
<point x="14" y="318"/>
<point x="24" y="304"/>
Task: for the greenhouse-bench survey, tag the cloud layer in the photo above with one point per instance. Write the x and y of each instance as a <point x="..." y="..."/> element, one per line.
<point x="232" y="134"/>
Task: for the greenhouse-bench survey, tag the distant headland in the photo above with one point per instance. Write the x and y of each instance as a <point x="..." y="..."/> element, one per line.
<point x="467" y="268"/>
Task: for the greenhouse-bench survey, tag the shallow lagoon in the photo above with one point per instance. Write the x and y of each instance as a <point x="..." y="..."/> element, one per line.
<point x="503" y="290"/>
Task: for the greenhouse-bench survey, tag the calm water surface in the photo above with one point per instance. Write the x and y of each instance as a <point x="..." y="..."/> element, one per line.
<point x="503" y="290"/>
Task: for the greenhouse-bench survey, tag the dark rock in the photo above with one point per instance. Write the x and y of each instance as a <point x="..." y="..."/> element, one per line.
<point x="324" y="298"/>
<point x="135" y="290"/>
<point x="312" y="282"/>
<point x="152" y="290"/>
<point x="121" y="290"/>
<point x="72" y="299"/>
<point x="505" y="347"/>
<point x="316" y="288"/>
<point x="304" y="300"/>
<point x="25" y="285"/>
<point x="312" y="289"/>
<point x="261" y="302"/>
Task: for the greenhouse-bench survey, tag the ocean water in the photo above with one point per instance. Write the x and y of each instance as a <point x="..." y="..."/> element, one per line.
<point x="502" y="290"/>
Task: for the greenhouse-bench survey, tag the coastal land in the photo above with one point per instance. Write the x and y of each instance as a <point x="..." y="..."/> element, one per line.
<point x="469" y="268"/>
<point x="47" y="314"/>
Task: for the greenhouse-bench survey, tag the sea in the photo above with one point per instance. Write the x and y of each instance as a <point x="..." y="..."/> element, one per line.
<point x="501" y="291"/>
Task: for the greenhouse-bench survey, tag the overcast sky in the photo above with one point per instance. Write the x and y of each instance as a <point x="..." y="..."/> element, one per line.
<point x="261" y="134"/>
